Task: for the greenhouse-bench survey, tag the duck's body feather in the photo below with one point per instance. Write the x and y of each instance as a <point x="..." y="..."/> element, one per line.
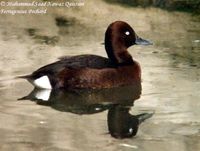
<point x="73" y="62"/>
<point x="84" y="71"/>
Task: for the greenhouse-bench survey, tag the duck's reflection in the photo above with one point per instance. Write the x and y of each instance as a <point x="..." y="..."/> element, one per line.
<point x="118" y="101"/>
<point x="121" y="124"/>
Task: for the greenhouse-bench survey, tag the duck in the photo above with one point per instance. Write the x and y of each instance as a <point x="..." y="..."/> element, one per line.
<point x="91" y="71"/>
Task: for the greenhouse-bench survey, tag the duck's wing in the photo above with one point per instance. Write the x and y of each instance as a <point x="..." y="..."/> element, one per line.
<point x="72" y="62"/>
<point x="86" y="61"/>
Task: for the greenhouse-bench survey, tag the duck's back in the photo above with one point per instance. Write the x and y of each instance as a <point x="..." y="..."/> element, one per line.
<point x="73" y="62"/>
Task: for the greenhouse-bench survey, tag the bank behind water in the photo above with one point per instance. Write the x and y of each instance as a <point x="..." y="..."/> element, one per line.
<point x="181" y="5"/>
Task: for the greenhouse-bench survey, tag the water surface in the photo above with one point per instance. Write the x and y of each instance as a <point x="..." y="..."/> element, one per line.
<point x="170" y="73"/>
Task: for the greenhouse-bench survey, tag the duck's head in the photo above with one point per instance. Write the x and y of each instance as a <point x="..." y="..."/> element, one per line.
<point x="118" y="37"/>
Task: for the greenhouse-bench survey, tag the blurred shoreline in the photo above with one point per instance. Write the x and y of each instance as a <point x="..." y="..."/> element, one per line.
<point x="192" y="6"/>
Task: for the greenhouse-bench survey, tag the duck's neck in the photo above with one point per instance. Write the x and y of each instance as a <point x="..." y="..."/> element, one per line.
<point x="118" y="54"/>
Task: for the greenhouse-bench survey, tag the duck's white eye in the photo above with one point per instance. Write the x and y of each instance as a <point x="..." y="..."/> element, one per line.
<point x="127" y="33"/>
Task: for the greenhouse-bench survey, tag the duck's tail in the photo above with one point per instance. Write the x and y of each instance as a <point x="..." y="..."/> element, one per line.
<point x="23" y="77"/>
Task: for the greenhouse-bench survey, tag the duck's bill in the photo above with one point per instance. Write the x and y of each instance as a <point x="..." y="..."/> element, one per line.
<point x="140" y="41"/>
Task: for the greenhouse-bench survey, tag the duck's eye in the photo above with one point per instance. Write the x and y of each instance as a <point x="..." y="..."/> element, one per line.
<point x="127" y="33"/>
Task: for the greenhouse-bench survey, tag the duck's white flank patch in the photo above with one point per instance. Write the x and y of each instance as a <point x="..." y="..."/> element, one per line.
<point x="42" y="82"/>
<point x="43" y="94"/>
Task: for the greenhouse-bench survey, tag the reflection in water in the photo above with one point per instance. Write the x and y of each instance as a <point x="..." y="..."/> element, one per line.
<point x="122" y="124"/>
<point x="118" y="101"/>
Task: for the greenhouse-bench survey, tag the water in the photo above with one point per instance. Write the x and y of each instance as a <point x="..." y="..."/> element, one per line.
<point x="170" y="73"/>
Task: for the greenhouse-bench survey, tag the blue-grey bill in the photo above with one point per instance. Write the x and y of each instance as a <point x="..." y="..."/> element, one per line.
<point x="140" y="41"/>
